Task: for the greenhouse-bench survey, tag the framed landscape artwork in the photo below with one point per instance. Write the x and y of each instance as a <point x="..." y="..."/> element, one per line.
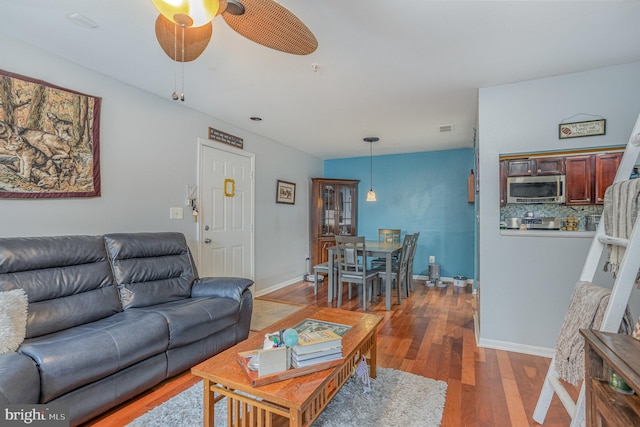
<point x="49" y="140"/>
<point x="286" y="192"/>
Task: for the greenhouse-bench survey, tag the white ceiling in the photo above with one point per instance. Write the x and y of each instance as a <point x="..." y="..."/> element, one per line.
<point x="396" y="70"/>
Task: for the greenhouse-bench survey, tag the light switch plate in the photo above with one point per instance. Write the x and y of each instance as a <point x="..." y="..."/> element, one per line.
<point x="176" y="213"/>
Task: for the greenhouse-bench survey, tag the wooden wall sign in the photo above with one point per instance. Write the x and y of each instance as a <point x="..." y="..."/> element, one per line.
<point x="579" y="129"/>
<point x="218" y="135"/>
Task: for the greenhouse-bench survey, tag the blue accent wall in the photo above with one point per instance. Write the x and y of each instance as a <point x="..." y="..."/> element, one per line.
<point x="418" y="192"/>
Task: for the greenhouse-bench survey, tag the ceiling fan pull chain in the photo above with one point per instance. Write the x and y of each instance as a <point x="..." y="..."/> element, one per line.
<point x="182" y="93"/>
<point x="174" y="95"/>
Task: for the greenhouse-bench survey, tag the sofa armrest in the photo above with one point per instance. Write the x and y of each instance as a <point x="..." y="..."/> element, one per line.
<point x="19" y="379"/>
<point x="220" y="287"/>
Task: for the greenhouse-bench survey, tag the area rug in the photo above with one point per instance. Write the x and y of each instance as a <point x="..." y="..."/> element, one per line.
<point x="266" y="313"/>
<point x="396" y="398"/>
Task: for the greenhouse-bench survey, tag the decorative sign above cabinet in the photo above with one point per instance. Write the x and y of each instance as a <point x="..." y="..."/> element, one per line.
<point x="218" y="135"/>
<point x="579" y="129"/>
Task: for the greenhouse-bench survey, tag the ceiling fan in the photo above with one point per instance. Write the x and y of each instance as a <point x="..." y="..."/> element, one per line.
<point x="184" y="27"/>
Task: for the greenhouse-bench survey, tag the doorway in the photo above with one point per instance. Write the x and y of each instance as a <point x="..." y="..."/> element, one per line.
<point x="226" y="217"/>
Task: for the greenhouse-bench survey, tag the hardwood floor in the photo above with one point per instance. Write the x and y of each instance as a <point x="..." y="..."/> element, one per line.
<point x="429" y="334"/>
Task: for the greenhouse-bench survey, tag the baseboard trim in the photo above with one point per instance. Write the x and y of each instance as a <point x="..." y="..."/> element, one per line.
<point x="444" y="279"/>
<point x="278" y="286"/>
<point x="284" y="284"/>
<point x="518" y="348"/>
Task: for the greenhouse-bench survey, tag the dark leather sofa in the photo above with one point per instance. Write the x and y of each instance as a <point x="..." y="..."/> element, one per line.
<point x="111" y="316"/>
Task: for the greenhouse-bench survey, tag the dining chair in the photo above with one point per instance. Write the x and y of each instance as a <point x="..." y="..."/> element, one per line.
<point x="389" y="235"/>
<point x="386" y="235"/>
<point x="412" y="255"/>
<point x="399" y="270"/>
<point x="323" y="268"/>
<point x="352" y="267"/>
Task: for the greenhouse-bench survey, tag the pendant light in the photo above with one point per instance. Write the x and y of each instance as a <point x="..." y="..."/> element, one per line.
<point x="371" y="195"/>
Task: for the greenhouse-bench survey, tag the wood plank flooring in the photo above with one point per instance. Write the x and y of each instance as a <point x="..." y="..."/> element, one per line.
<point x="429" y="334"/>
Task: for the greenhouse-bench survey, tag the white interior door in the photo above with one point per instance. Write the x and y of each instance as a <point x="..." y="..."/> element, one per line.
<point x="226" y="212"/>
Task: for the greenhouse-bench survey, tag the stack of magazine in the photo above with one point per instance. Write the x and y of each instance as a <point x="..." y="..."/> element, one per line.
<point x="318" y="341"/>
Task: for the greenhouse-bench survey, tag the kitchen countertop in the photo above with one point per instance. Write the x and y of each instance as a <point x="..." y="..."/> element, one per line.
<point x="548" y="233"/>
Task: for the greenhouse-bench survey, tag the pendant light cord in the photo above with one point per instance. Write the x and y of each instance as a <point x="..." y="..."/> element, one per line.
<point x="371" y="165"/>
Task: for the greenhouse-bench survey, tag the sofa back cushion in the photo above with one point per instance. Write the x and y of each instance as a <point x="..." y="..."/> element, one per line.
<point x="67" y="279"/>
<point x="151" y="268"/>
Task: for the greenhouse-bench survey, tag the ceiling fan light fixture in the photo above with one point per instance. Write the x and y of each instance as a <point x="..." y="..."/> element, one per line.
<point x="234" y="7"/>
<point x="188" y="13"/>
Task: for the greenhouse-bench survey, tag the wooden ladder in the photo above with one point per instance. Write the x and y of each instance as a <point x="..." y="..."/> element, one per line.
<point x="620" y="292"/>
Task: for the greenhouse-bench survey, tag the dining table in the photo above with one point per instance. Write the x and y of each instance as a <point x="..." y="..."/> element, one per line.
<point x="373" y="248"/>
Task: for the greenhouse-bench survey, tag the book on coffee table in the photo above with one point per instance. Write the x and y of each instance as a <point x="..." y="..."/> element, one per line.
<point x="313" y="325"/>
<point x="314" y="354"/>
<point x="310" y="342"/>
<point x="301" y="363"/>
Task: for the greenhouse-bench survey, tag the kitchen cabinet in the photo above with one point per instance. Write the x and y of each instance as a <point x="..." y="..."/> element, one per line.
<point x="606" y="167"/>
<point x="550" y="166"/>
<point x="578" y="180"/>
<point x="589" y="176"/>
<point x="334" y="211"/>
<point x="588" y="172"/>
<point x="534" y="166"/>
<point x="606" y="352"/>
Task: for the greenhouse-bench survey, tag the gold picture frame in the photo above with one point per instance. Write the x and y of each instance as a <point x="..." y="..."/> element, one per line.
<point x="229" y="187"/>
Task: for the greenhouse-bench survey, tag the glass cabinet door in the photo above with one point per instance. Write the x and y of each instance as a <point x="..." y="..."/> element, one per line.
<point x="346" y="210"/>
<point x="329" y="210"/>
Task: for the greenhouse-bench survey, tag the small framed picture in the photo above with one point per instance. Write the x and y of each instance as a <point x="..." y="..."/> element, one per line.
<point x="286" y="192"/>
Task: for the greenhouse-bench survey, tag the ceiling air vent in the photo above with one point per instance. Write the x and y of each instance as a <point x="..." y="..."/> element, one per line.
<point x="445" y="128"/>
<point x="83" y="21"/>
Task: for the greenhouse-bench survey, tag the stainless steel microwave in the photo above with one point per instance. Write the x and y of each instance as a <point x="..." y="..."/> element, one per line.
<point x="536" y="189"/>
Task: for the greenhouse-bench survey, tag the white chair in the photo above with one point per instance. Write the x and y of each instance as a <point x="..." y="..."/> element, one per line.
<point x="352" y="266"/>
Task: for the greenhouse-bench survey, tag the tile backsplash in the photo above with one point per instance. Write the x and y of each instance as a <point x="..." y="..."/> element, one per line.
<point x="550" y="209"/>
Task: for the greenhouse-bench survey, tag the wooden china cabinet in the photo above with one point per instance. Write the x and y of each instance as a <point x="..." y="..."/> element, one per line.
<point x="606" y="353"/>
<point x="334" y="211"/>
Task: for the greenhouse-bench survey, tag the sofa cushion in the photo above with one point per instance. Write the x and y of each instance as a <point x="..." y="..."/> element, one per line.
<point x="193" y="319"/>
<point x="78" y="356"/>
<point x="20" y="380"/>
<point x="67" y="279"/>
<point x="151" y="268"/>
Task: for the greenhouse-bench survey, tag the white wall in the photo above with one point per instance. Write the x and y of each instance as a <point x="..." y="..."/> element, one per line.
<point x="148" y="154"/>
<point x="526" y="282"/>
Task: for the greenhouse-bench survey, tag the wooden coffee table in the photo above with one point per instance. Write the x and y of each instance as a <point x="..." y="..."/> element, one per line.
<point x="296" y="401"/>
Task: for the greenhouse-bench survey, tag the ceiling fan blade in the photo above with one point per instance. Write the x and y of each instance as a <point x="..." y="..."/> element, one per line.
<point x="196" y="39"/>
<point x="270" y="24"/>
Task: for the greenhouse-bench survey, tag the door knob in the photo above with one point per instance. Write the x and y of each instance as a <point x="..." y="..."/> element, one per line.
<point x="207" y="240"/>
